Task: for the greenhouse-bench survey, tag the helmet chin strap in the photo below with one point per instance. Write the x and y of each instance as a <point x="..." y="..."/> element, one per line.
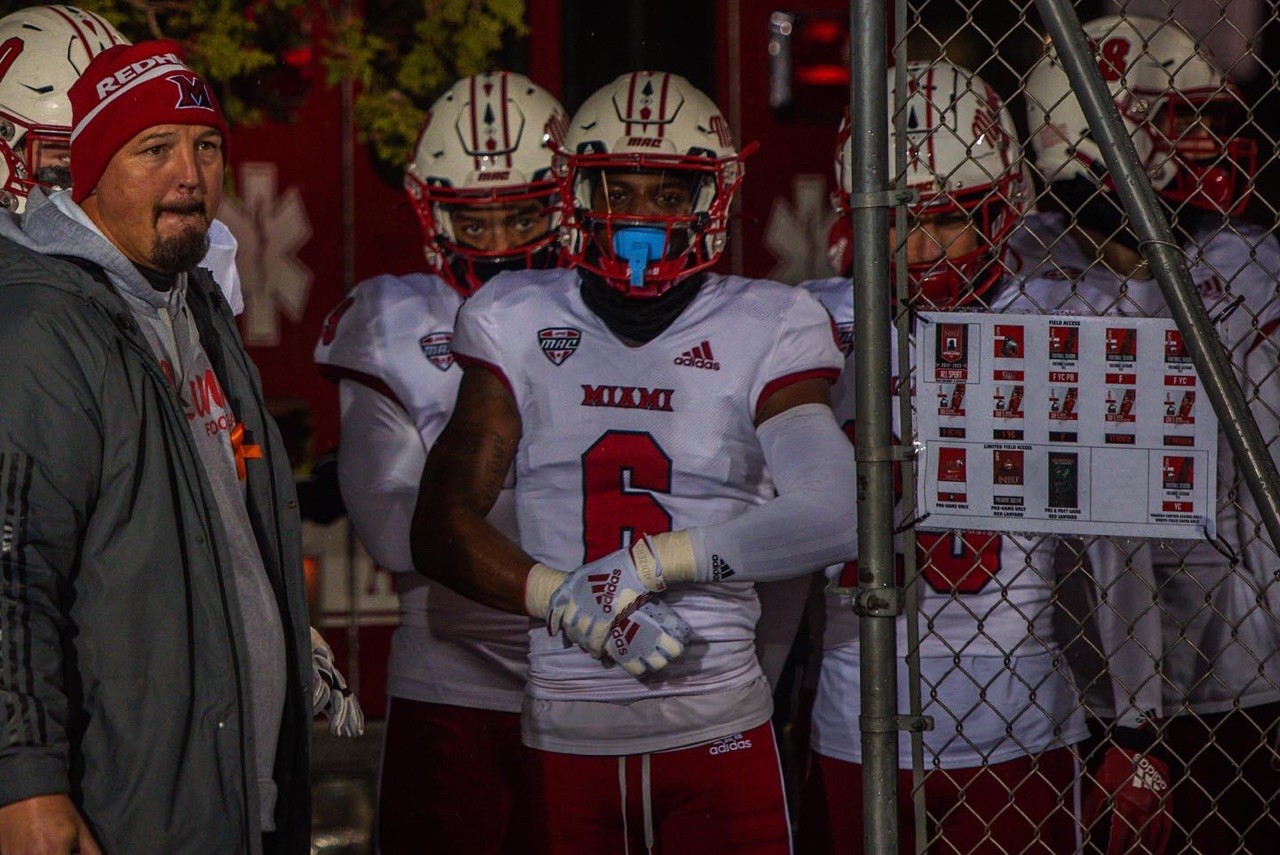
<point x="639" y="245"/>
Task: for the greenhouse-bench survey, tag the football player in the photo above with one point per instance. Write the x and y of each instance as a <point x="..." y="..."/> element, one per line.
<point x="44" y="50"/>
<point x="481" y="185"/>
<point x="999" y="768"/>
<point x="673" y="444"/>
<point x="1219" y="654"/>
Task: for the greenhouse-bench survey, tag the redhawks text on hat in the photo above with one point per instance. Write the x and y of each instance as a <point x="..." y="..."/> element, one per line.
<point x="129" y="72"/>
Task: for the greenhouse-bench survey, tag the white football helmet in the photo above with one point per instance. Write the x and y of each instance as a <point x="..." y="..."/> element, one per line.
<point x="963" y="155"/>
<point x="43" y="50"/>
<point x="487" y="141"/>
<point x="1064" y="146"/>
<point x="651" y="121"/>
<point x="1193" y="112"/>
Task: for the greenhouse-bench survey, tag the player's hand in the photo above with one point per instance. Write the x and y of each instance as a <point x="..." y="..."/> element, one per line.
<point x="44" y="825"/>
<point x="647" y="639"/>
<point x="1134" y="786"/>
<point x="590" y="599"/>
<point x="330" y="695"/>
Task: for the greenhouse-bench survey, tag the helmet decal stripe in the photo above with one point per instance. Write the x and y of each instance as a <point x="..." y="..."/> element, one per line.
<point x="662" y="105"/>
<point x="931" y="122"/>
<point x="475" y="127"/>
<point x="71" y="22"/>
<point x="506" y="120"/>
<point x="631" y="102"/>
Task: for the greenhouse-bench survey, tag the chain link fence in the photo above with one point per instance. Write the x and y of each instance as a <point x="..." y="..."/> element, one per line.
<point x="1073" y="692"/>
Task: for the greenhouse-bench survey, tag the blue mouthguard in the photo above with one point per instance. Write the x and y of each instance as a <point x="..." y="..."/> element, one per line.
<point x="639" y="245"/>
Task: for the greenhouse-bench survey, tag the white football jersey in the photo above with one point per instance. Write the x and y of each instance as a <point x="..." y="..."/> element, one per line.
<point x="394" y="335"/>
<point x="985" y="600"/>
<point x="618" y="441"/>
<point x="1220" y="626"/>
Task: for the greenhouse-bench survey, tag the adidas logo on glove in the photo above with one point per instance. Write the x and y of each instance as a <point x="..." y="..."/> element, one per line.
<point x="1148" y="777"/>
<point x="605" y="587"/>
<point x="623" y="634"/>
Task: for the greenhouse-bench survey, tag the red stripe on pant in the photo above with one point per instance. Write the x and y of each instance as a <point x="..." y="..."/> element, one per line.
<point x="721" y="796"/>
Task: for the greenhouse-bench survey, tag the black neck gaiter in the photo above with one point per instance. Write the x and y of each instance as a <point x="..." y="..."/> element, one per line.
<point x="632" y="319"/>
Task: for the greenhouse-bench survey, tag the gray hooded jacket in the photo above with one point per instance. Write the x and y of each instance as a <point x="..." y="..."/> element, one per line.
<point x="124" y="664"/>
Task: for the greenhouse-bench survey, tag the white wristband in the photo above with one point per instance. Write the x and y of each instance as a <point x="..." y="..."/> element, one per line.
<point x="539" y="585"/>
<point x="674" y="551"/>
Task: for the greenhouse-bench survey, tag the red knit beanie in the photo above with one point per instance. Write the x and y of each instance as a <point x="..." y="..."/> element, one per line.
<point x="125" y="90"/>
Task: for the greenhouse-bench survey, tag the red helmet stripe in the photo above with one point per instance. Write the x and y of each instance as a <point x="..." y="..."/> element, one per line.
<point x="475" y="129"/>
<point x="71" y="22"/>
<point x="506" y="120"/>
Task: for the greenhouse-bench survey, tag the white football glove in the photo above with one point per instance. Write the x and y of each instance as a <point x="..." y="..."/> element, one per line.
<point x="592" y="598"/>
<point x="330" y="694"/>
<point x="647" y="639"/>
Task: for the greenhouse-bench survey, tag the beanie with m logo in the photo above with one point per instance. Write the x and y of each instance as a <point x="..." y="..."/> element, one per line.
<point x="125" y="90"/>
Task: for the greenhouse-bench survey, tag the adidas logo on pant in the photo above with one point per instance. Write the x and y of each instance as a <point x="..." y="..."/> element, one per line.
<point x="698" y="357"/>
<point x="728" y="744"/>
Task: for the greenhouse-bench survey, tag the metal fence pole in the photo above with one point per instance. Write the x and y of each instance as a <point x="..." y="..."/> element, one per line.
<point x="877" y="598"/>
<point x="906" y="435"/>
<point x="1165" y="256"/>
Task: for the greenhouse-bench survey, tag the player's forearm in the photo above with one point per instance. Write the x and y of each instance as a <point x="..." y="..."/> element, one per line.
<point x="382" y="517"/>
<point x="1127" y="626"/>
<point x="458" y="548"/>
<point x="462" y="480"/>
<point x="809" y="525"/>
<point x="379" y="469"/>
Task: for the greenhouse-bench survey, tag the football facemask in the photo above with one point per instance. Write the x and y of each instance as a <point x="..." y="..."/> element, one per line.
<point x="963" y="163"/>
<point x="486" y="144"/>
<point x="648" y="124"/>
<point x="1195" y="113"/>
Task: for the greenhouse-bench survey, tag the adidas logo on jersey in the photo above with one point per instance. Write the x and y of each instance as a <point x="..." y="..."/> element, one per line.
<point x="729" y="743"/>
<point x="604" y="587"/>
<point x="720" y="569"/>
<point x="698" y="357"/>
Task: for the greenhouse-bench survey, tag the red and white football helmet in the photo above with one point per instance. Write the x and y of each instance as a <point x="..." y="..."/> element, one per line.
<point x="962" y="156"/>
<point x="43" y="50"/>
<point x="487" y="141"/>
<point x="650" y="121"/>
<point x="1194" y="114"/>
